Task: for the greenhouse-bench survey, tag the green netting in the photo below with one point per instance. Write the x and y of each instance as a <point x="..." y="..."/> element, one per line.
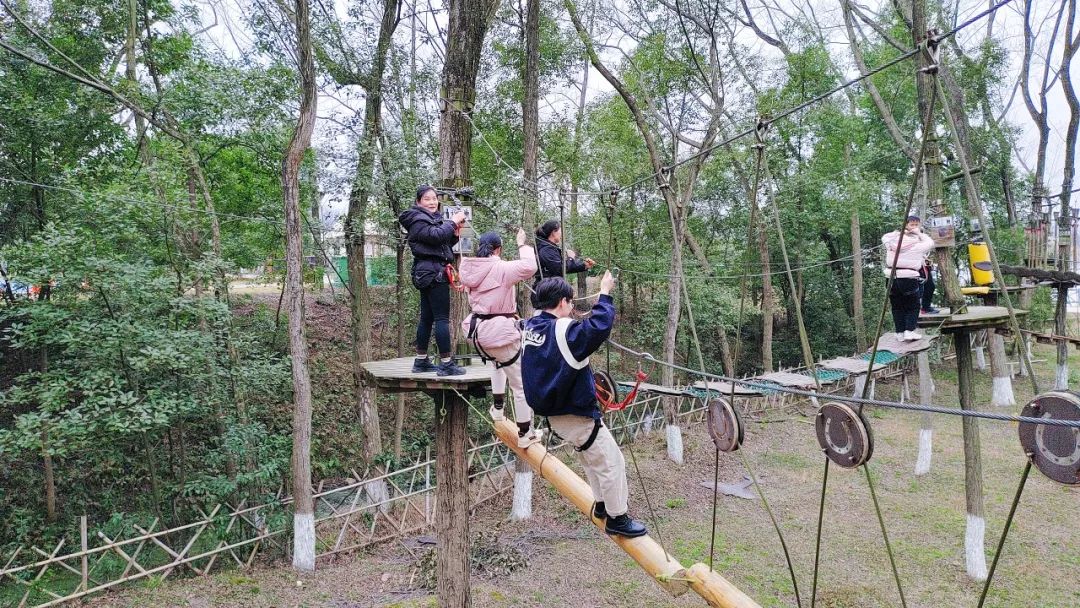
<point x="830" y="375"/>
<point x="884" y="357"/>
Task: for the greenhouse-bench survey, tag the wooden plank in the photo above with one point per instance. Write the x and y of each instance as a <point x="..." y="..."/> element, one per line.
<point x="788" y="379"/>
<point x="724" y="388"/>
<point x="850" y="365"/>
<point x="658" y="389"/>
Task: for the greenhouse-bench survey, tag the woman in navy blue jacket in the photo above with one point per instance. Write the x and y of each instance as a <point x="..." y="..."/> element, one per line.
<point x="549" y="259"/>
<point x="431" y="238"/>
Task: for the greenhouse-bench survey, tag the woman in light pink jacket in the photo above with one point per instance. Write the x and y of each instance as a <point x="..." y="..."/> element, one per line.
<point x="492" y="327"/>
<point x="906" y="293"/>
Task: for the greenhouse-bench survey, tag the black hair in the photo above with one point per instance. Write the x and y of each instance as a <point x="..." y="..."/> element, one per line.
<point x="549" y="292"/>
<point x="421" y="190"/>
<point x="913" y="218"/>
<point x="488" y="243"/>
<point x="545" y="229"/>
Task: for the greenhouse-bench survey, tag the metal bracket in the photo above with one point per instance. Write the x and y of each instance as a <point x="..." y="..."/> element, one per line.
<point x="931" y="47"/>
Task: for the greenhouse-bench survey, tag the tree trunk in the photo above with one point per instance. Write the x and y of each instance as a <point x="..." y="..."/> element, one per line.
<point x="926" y="430"/>
<point x="975" y="553"/>
<point x="467" y="24"/>
<point x="303" y="504"/>
<point x="857" y="317"/>
<point x="355" y="239"/>
<point x="50" y="479"/>
<point x="767" y="298"/>
<point x="1068" y="172"/>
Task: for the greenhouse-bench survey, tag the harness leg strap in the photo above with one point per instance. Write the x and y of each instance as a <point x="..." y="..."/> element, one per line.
<point x="592" y="437"/>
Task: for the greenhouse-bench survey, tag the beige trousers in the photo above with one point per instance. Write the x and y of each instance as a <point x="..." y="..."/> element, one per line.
<point x="603" y="462"/>
<point x="511" y="374"/>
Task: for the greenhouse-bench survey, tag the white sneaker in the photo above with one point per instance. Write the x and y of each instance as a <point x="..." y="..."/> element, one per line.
<point x="912" y="335"/>
<point x="534" y="435"/>
<point x="901" y="335"/>
<point x="497" y="413"/>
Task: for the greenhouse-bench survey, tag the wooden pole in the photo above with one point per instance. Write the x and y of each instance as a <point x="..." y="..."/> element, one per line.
<point x="667" y="570"/>
<point x="975" y="554"/>
<point x="452" y="499"/>
<point x="1001" y="393"/>
<point x="926" y="430"/>
<point x="85" y="561"/>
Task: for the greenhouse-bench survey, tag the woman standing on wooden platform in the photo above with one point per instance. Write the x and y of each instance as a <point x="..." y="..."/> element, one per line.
<point x="431" y="239"/>
<point x="492" y="327"/>
<point x="906" y="293"/>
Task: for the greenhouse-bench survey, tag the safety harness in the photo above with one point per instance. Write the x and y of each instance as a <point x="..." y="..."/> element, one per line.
<point x="474" y="323"/>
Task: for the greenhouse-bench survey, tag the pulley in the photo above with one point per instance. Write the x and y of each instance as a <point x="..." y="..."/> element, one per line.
<point x="844" y="435"/>
<point x="1054" y="450"/>
<point x="725" y="425"/>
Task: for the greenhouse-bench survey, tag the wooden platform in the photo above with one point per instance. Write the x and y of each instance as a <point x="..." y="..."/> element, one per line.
<point x="888" y="341"/>
<point x="976" y="317"/>
<point x="396" y="376"/>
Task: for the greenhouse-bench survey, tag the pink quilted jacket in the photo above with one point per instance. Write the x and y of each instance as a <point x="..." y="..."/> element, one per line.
<point x="912" y="253"/>
<point x="490" y="282"/>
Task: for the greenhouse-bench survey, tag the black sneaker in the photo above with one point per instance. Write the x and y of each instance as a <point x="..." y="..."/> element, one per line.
<point x="422" y="365"/>
<point x="622" y="525"/>
<point x="599" y="511"/>
<point x="449" y="368"/>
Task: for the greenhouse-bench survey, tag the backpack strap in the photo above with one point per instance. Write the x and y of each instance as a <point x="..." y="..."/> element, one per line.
<point x="562" y="325"/>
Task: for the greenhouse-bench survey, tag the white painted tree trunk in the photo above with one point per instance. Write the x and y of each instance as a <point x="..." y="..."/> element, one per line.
<point x="926" y="433"/>
<point x="860" y="383"/>
<point x="1002" y="393"/>
<point x="674" y="443"/>
<point x="1061" y="377"/>
<point x="523" y="484"/>
<point x="980" y="358"/>
<point x="647" y="424"/>
<point x="974" y="553"/>
<point x="378" y="494"/>
<point x="304" y="542"/>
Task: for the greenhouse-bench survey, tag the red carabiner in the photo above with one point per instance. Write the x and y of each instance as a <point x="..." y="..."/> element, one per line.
<point x="454" y="278"/>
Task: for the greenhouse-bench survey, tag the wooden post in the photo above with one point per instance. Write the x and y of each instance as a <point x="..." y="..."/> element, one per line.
<point x="1001" y="394"/>
<point x="926" y="430"/>
<point x="975" y="554"/>
<point x="85" y="558"/>
<point x="452" y="499"/>
<point x="664" y="568"/>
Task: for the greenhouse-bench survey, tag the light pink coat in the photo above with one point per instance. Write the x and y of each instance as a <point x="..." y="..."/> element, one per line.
<point x="912" y="253"/>
<point x="490" y="282"/>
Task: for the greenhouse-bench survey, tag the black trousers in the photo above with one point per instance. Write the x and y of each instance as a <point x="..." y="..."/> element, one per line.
<point x="927" y="288"/>
<point x="905" y="299"/>
<point x="434" y="310"/>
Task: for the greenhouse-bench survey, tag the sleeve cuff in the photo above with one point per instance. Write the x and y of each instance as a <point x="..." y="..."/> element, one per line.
<point x="605" y="297"/>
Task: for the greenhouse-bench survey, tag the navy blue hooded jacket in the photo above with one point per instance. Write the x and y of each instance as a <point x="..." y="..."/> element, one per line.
<point x="431" y="238"/>
<point x="549" y="261"/>
<point x="555" y="357"/>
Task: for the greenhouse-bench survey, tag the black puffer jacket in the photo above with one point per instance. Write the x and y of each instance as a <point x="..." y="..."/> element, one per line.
<point x="431" y="237"/>
<point x="549" y="261"/>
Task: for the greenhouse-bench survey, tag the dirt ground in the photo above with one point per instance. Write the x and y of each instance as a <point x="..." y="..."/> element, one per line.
<point x="571" y="565"/>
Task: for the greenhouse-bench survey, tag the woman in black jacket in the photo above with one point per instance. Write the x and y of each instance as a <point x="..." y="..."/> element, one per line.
<point x="431" y="238"/>
<point x="549" y="261"/>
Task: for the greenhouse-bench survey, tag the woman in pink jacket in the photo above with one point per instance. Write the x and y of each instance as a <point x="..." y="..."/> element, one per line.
<point x="492" y="327"/>
<point x="906" y="292"/>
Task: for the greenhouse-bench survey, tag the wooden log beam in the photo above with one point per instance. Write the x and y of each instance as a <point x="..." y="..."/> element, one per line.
<point x="1057" y="276"/>
<point x="667" y="570"/>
